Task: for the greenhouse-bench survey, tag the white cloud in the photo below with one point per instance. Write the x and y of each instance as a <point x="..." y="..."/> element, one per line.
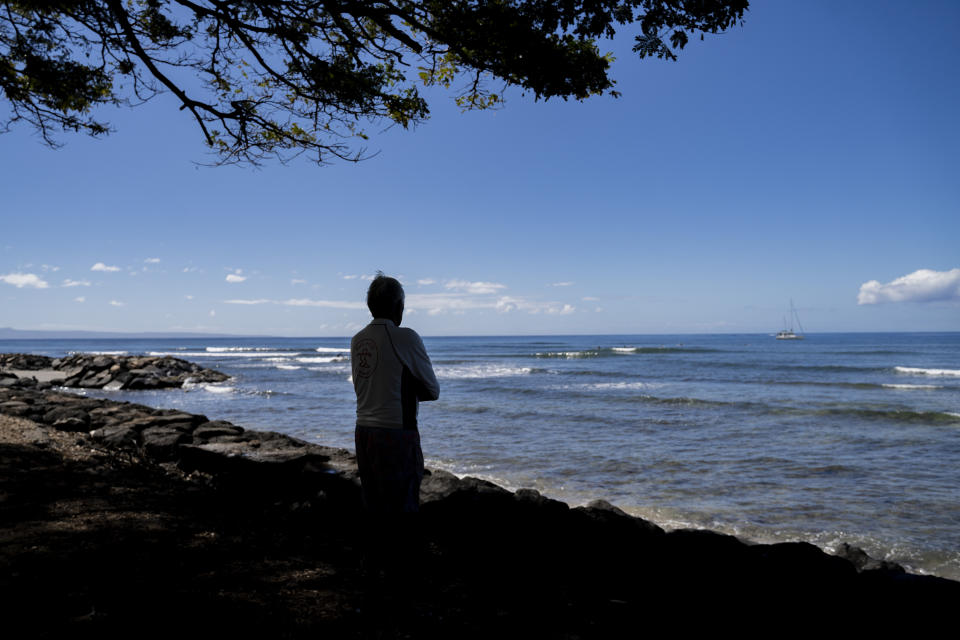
<point x="923" y="285"/>
<point x="426" y="281"/>
<point x="562" y="284"/>
<point x="103" y="267"/>
<point x="75" y="283"/>
<point x="188" y="297"/>
<point x="233" y="277"/>
<point x="435" y="303"/>
<point x="589" y="299"/>
<point x="476" y="288"/>
<point x="117" y="303"/>
<point x="298" y="281"/>
<point x="79" y="299"/>
<point x="49" y="267"/>
<point x="456" y="303"/>
<point x="212" y="313"/>
<point x="152" y="260"/>
<point x="21" y="280"/>
<point x="505" y="304"/>
<point x="330" y="304"/>
<point x="190" y="269"/>
<point x="303" y="302"/>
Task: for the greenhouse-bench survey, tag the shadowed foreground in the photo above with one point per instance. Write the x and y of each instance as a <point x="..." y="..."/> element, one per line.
<point x="120" y="520"/>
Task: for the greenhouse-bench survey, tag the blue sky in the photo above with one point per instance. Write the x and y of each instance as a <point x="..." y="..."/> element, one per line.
<point x="811" y="154"/>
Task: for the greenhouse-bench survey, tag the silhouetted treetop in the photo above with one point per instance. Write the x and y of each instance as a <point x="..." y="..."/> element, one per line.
<point x="276" y="79"/>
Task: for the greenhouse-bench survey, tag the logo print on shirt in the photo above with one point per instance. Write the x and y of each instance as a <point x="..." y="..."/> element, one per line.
<point x="366" y="357"/>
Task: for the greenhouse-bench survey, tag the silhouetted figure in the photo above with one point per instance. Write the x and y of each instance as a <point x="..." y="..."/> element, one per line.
<point x="391" y="375"/>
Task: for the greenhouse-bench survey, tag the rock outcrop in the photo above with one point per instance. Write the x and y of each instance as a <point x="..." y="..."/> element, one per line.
<point x="491" y="558"/>
<point x="102" y="371"/>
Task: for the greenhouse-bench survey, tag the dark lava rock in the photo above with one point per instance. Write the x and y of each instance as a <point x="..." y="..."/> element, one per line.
<point x="24" y="361"/>
<point x="117" y="435"/>
<point x="522" y="547"/>
<point x="217" y="431"/>
<point x="161" y="442"/>
<point x="98" y="371"/>
<point x="863" y="562"/>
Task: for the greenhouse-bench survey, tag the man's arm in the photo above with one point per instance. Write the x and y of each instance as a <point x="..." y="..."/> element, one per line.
<point x="419" y="365"/>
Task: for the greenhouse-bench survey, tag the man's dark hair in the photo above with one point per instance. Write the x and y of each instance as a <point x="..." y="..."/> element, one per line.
<point x="383" y="295"/>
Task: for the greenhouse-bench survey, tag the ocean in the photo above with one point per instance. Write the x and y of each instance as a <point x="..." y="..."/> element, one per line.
<point x="849" y="437"/>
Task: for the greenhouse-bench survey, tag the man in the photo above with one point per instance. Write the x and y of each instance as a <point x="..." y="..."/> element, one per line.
<point x="391" y="375"/>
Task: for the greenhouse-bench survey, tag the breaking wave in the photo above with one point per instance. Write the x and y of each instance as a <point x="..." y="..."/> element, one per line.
<point x="231" y="349"/>
<point x="218" y="354"/>
<point x="481" y="371"/>
<point x="911" y="386"/>
<point x="917" y="371"/>
<point x="602" y="352"/>
<point x="622" y="385"/>
<point x="204" y="386"/>
<point x="323" y="359"/>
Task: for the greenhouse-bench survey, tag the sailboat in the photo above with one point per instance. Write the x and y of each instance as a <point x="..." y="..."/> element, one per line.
<point x="788" y="334"/>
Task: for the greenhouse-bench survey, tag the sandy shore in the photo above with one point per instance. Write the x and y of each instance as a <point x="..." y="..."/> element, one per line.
<point x="104" y="539"/>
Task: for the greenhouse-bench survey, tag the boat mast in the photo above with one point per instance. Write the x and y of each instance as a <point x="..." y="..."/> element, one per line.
<point x="793" y="313"/>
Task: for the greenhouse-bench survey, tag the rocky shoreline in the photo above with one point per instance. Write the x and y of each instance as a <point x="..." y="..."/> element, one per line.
<point x="101" y="371"/>
<point x="117" y="514"/>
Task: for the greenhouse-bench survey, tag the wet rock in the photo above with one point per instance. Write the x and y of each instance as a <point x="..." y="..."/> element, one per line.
<point x="614" y="517"/>
<point x="863" y="562"/>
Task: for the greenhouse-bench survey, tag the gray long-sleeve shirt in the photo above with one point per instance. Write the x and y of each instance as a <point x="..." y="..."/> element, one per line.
<point x="391" y="374"/>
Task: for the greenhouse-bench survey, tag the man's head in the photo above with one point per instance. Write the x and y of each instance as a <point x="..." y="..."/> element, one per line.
<point x="385" y="298"/>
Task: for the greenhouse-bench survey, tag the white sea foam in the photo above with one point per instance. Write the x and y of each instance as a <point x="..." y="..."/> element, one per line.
<point x="624" y="349"/>
<point x="602" y="386"/>
<point x="218" y="354"/>
<point x="212" y="388"/>
<point x="288" y="367"/>
<point x="226" y="349"/>
<point x="333" y="369"/>
<point x="480" y="371"/>
<point x="566" y="354"/>
<point x="927" y="372"/>
<point x="332" y="350"/>
<point x="911" y="386"/>
<point x="101" y="353"/>
<point x="323" y="359"/>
